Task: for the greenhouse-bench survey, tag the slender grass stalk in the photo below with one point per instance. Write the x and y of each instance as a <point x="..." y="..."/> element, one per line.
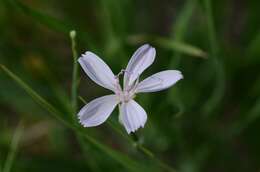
<point x="74" y="103"/>
<point x="179" y="30"/>
<point x="13" y="148"/>
<point x="91" y="162"/>
<point x="58" y="92"/>
<point x="126" y="161"/>
<point x="41" y="101"/>
<point x="150" y="154"/>
<point x="180" y="27"/>
<point x="74" y="87"/>
<point x="211" y="28"/>
<point x="219" y="88"/>
<point x="51" y="22"/>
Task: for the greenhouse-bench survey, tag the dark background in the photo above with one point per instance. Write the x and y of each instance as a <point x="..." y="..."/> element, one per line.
<point x="209" y="121"/>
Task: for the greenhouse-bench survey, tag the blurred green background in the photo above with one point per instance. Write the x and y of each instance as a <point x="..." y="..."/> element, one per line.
<point x="209" y="121"/>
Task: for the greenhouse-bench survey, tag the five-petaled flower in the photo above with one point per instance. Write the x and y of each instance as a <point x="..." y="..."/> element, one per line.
<point x="132" y="115"/>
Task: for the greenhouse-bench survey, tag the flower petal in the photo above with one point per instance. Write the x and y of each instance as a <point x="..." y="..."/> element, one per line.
<point x="132" y="116"/>
<point x="141" y="59"/>
<point x="98" y="70"/>
<point x="97" y="111"/>
<point x="159" y="81"/>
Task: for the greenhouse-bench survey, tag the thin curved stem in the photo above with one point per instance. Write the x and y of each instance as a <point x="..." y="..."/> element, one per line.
<point x="134" y="140"/>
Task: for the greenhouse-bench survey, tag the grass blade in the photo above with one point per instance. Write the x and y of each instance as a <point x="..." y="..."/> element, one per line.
<point x="168" y="44"/>
<point x="178" y="33"/>
<point x="42" y="102"/>
<point x="127" y="162"/>
<point x="51" y="22"/>
<point x="181" y="25"/>
<point x="130" y="164"/>
<point x="74" y="105"/>
<point x="181" y="47"/>
<point x="13" y="149"/>
<point x="47" y="20"/>
<point x="219" y="88"/>
<point x="92" y="163"/>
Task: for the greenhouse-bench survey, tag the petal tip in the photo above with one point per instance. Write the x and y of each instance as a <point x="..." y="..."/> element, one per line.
<point x="181" y="75"/>
<point x="128" y="131"/>
<point x="148" y="46"/>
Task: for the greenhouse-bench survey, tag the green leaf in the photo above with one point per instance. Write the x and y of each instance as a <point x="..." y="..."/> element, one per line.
<point x="181" y="47"/>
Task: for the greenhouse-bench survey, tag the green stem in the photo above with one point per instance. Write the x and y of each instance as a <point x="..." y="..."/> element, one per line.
<point x="119" y="157"/>
<point x="41" y="101"/>
<point x="211" y="28"/>
<point x="116" y="155"/>
<point x="135" y="137"/>
<point x="91" y="162"/>
<point x="13" y="149"/>
<point x="74" y="86"/>
<point x="149" y="153"/>
<point x="218" y="91"/>
<point x="74" y="93"/>
<point x="139" y="147"/>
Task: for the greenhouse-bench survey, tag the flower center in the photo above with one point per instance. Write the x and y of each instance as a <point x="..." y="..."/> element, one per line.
<point x="123" y="94"/>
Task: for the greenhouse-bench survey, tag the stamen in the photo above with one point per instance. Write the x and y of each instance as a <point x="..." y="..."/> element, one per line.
<point x="118" y="86"/>
<point x="134" y="86"/>
<point x="127" y="72"/>
<point x="122" y="72"/>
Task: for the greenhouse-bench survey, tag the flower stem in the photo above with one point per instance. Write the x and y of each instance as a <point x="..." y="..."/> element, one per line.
<point x="149" y="153"/>
<point x="74" y="86"/>
<point x="134" y="139"/>
<point x="218" y="91"/>
<point x="13" y="149"/>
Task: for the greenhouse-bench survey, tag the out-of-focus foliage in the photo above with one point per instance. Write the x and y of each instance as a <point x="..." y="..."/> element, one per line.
<point x="209" y="121"/>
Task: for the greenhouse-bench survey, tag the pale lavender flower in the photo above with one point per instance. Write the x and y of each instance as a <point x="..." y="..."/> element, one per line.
<point x="132" y="116"/>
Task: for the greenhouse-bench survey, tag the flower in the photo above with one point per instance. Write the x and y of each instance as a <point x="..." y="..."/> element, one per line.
<point x="132" y="116"/>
